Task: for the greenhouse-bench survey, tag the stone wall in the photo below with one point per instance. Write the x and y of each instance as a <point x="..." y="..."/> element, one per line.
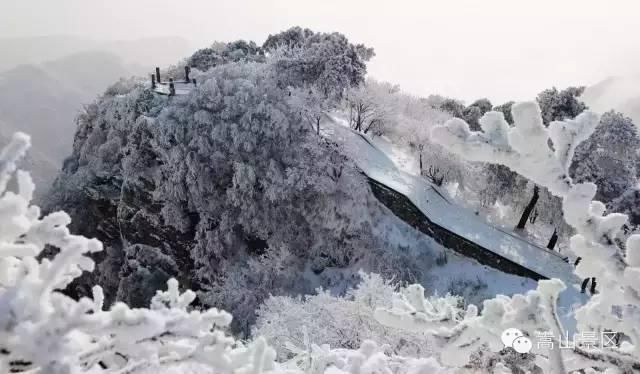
<point x="402" y="207"/>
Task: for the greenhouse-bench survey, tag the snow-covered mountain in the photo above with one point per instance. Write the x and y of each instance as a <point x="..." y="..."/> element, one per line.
<point x="226" y="189"/>
<point x="263" y="189"/>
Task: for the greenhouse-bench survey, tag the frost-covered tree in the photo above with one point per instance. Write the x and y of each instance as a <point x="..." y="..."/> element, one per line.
<point x="411" y="123"/>
<point x="295" y="37"/>
<point x="506" y="111"/>
<point x="222" y="53"/>
<point x="372" y="107"/>
<point x="526" y="149"/>
<point x="312" y="104"/>
<point x="609" y="158"/>
<point x="484" y="105"/>
<point x="560" y="105"/>
<point x="471" y="114"/>
<point x="451" y="106"/>
<point x="327" y="60"/>
<point x="503" y="185"/>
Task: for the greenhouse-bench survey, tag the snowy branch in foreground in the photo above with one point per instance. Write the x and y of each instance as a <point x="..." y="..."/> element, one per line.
<point x="523" y="148"/>
<point x="460" y="334"/>
<point x="43" y="329"/>
<point x="544" y="155"/>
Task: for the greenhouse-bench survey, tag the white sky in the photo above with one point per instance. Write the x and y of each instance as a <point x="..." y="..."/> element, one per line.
<point x="501" y="49"/>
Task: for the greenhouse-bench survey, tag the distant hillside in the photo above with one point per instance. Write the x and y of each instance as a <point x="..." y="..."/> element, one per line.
<point x="42" y="105"/>
<point x="145" y="52"/>
<point x="43" y="100"/>
<point x="90" y="72"/>
<point x="42" y="169"/>
<point x="619" y="93"/>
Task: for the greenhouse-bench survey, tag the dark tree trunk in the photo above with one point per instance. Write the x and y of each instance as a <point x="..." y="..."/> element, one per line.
<point x="158" y="74"/>
<point x="593" y="286"/>
<point x="318" y="125"/>
<point x="153" y="81"/>
<point x="528" y="209"/>
<point x="585" y="282"/>
<point x="420" y="162"/>
<point x="553" y="240"/>
<point x="367" y="128"/>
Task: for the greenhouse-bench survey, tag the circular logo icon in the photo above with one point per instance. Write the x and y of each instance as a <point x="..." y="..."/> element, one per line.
<point x="509" y="336"/>
<point x="522" y="344"/>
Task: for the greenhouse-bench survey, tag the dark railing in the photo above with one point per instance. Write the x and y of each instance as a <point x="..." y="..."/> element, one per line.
<point x="157" y="81"/>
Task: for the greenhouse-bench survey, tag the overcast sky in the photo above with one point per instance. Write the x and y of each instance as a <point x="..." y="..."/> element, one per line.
<point x="501" y="49"/>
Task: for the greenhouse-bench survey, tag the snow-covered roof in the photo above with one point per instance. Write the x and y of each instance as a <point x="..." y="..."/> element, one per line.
<point x="434" y="204"/>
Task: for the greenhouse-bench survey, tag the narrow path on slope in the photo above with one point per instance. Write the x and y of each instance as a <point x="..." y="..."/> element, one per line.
<point x="456" y="227"/>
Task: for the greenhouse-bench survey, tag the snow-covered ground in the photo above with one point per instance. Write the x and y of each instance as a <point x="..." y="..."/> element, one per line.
<point x="375" y="158"/>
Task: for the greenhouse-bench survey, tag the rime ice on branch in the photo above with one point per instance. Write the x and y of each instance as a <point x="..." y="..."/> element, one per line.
<point x="523" y="148"/>
<point x="43" y="330"/>
<point x="544" y="155"/>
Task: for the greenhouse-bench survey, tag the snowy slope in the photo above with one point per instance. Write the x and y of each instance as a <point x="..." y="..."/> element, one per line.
<point x="433" y="203"/>
<point x="375" y="162"/>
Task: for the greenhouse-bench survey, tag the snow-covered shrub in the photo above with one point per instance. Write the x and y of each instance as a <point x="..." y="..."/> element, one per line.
<point x="122" y="86"/>
<point x="338" y="321"/>
<point x="616" y="307"/>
